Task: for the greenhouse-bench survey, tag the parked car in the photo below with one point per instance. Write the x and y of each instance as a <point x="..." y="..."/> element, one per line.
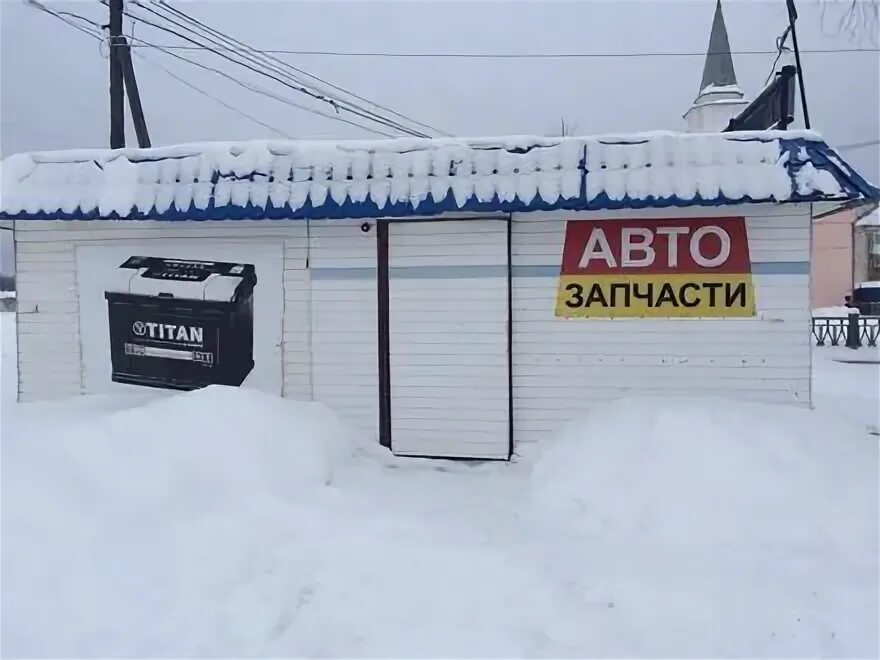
<point x="866" y="297"/>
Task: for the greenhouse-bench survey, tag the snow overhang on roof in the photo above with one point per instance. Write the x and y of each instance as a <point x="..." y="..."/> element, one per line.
<point x="870" y="220"/>
<point x="407" y="177"/>
<point x="721" y="89"/>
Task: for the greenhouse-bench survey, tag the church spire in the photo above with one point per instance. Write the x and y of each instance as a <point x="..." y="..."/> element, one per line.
<point x="720" y="99"/>
<point x="718" y="70"/>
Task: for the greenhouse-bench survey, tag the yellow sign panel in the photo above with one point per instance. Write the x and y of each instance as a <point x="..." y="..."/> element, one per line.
<point x="660" y="295"/>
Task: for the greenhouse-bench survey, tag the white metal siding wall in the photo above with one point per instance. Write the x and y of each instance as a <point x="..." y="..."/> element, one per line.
<point x="562" y="367"/>
<point x="342" y="266"/>
<point x="448" y="299"/>
<point x="50" y="363"/>
<point x="296" y="323"/>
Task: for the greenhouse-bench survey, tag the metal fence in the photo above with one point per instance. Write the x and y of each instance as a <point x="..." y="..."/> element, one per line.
<point x="853" y="331"/>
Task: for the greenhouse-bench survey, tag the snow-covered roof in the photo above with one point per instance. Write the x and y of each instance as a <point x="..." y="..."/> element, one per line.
<point x="721" y="89"/>
<point x="405" y="177"/>
<point x="870" y="220"/>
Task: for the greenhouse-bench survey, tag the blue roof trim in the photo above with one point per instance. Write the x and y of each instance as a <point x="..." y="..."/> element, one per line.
<point x="368" y="210"/>
<point x="822" y="157"/>
<point x="825" y="158"/>
<point x="330" y="210"/>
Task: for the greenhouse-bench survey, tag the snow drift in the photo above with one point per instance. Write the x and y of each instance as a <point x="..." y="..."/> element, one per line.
<point x="711" y="472"/>
<point x="202" y="525"/>
<point x="210" y="449"/>
<point x="110" y="521"/>
<point x="716" y="528"/>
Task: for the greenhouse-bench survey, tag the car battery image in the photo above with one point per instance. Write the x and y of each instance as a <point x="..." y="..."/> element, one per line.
<point x="181" y="324"/>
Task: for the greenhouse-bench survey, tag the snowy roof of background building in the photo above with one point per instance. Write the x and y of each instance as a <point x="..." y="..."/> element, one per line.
<point x="405" y="177"/>
<point x="870" y="220"/>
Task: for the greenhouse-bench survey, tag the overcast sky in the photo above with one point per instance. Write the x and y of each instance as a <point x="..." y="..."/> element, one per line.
<point x="53" y="79"/>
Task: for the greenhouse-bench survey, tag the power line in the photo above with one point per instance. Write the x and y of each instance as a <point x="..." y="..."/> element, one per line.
<point x="299" y="86"/>
<point x="239" y="43"/>
<point x="60" y="15"/>
<point x="100" y="38"/>
<point x="780" y="48"/>
<point x="265" y="92"/>
<point x="211" y="96"/>
<point x="296" y="87"/>
<point x="140" y="43"/>
<point x="257" y="57"/>
<point x="519" y="56"/>
<point x="858" y="145"/>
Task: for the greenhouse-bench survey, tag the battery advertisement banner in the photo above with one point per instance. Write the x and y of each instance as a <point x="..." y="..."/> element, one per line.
<point x="698" y="267"/>
<point x="181" y="319"/>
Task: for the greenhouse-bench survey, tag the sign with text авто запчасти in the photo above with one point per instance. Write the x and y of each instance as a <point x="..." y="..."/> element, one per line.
<point x="696" y="267"/>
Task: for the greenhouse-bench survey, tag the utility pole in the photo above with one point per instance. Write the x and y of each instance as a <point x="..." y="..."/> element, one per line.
<point x="134" y="97"/>
<point x="117" y="93"/>
<point x="792" y="18"/>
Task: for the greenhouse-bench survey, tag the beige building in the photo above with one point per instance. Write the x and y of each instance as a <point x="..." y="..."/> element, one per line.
<point x="845" y="253"/>
<point x="866" y="246"/>
<point x="832" y="259"/>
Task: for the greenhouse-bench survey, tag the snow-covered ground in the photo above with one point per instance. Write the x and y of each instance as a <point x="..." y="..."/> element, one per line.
<point x="229" y="523"/>
<point x="835" y="312"/>
<point x="8" y="363"/>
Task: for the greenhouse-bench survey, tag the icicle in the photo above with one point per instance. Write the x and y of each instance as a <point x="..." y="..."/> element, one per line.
<point x="299" y="193"/>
